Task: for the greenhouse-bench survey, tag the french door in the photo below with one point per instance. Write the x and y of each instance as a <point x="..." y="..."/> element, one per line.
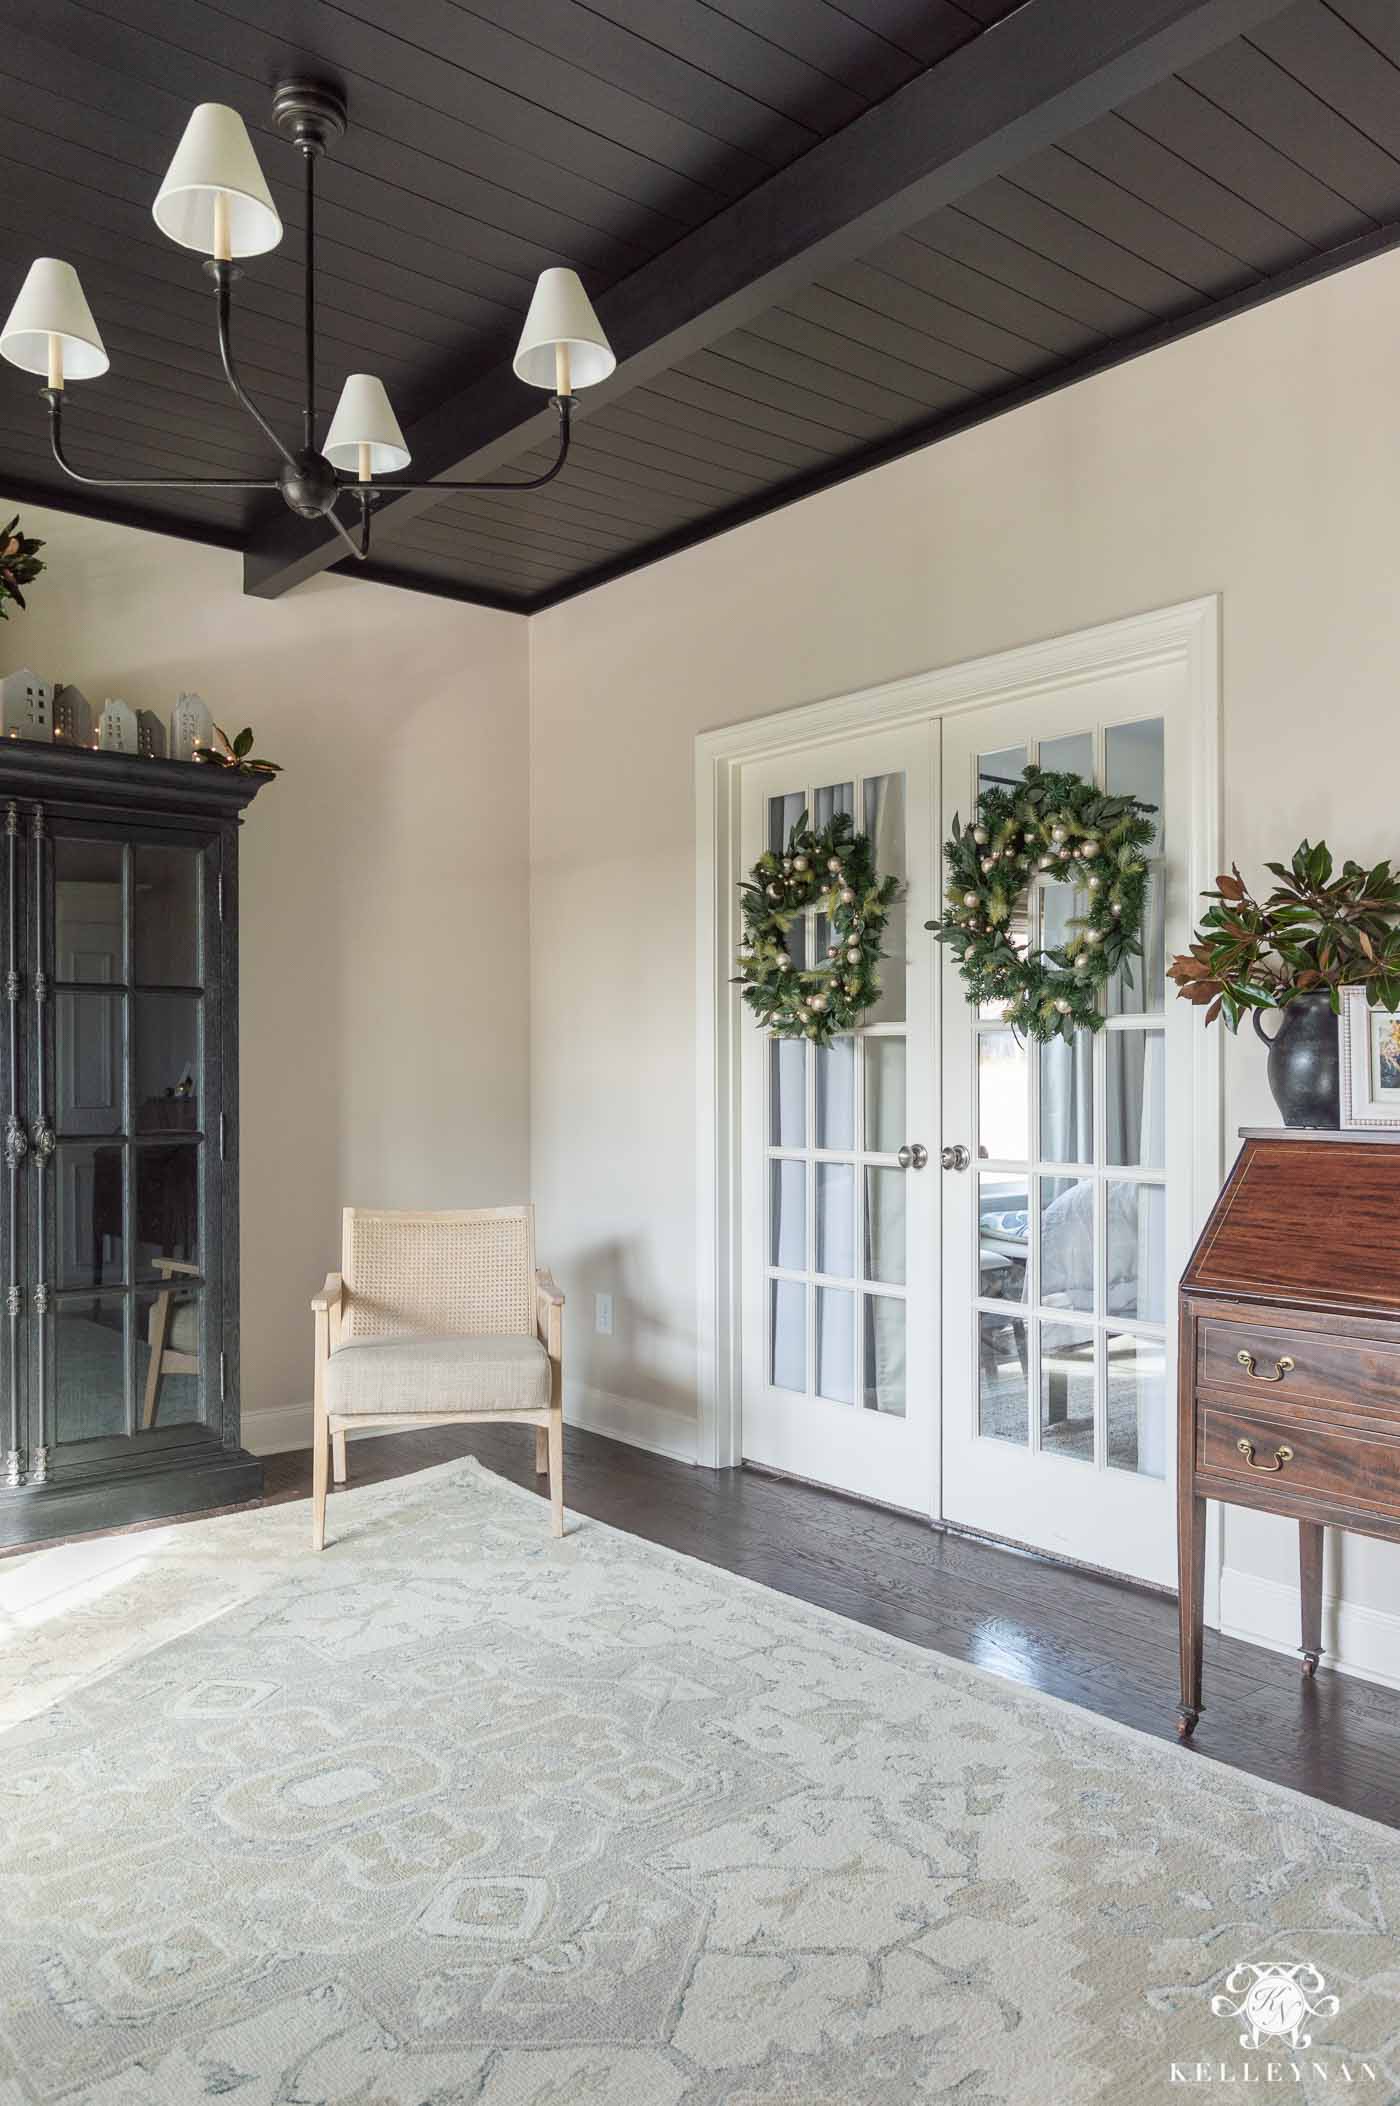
<point x="840" y="1213"/>
<point x="959" y="1249"/>
<point x="1066" y="1214"/>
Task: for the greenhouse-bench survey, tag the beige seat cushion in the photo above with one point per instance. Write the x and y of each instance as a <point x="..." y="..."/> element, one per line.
<point x="413" y="1373"/>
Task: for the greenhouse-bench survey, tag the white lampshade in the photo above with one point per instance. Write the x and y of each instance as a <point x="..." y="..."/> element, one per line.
<point x="214" y="157"/>
<point x="52" y="303"/>
<point x="364" y="416"/>
<point x="562" y="313"/>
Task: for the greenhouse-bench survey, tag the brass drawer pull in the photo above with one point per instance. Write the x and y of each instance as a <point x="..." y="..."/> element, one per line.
<point x="1281" y="1368"/>
<point x="1281" y="1456"/>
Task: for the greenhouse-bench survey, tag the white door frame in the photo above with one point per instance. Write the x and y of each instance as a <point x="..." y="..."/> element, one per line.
<point x="1187" y="635"/>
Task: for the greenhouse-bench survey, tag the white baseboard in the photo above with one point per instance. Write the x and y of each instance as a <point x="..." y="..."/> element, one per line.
<point x="288" y="1426"/>
<point x="274" y="1432"/>
<point x="1355" y="1640"/>
<point x="628" y="1419"/>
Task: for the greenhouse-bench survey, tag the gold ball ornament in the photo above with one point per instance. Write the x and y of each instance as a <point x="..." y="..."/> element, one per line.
<point x="833" y="863"/>
<point x="969" y="899"/>
<point x="1062" y="1005"/>
<point x="816" y="1001"/>
<point x="848" y="898"/>
<point x="782" y="961"/>
<point x="801" y="865"/>
<point x="979" y="835"/>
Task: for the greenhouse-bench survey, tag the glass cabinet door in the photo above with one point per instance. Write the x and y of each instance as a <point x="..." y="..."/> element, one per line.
<point x="123" y="1085"/>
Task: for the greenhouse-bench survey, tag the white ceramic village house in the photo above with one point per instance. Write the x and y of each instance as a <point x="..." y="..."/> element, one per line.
<point x="26" y="705"/>
<point x="191" y="725"/>
<point x="117" y="729"/>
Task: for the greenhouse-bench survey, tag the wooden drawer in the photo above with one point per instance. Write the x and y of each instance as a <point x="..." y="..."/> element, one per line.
<point x="1273" y="1364"/>
<point x="1352" y="1469"/>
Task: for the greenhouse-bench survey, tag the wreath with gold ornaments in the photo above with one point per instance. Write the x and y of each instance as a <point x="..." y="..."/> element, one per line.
<point x="1050" y="827"/>
<point x="833" y="869"/>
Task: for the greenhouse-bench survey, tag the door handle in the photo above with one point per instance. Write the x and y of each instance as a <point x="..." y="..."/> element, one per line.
<point x="912" y="1156"/>
<point x="956" y="1158"/>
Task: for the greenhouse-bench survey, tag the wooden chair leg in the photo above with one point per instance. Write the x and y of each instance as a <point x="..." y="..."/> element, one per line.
<point x="555" y="1439"/>
<point x="541" y="1451"/>
<point x="1310" y="1541"/>
<point x="160" y="1330"/>
<point x="320" y="1472"/>
<point x="338" y="1455"/>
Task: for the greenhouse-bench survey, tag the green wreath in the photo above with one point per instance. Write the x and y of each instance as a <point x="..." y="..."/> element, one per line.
<point x="833" y="869"/>
<point x="1058" y="826"/>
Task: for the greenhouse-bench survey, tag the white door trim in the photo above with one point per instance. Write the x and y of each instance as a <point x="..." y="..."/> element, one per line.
<point x="1188" y="635"/>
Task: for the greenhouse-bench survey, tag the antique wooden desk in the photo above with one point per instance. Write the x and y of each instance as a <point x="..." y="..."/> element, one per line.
<point x="1289" y="1395"/>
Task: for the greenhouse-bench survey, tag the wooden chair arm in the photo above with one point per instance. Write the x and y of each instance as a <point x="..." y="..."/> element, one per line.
<point x="166" y="1266"/>
<point x="549" y="1328"/>
<point x="329" y="1297"/>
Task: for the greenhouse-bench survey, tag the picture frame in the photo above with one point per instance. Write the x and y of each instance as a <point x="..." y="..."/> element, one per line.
<point x="1370" y="1048"/>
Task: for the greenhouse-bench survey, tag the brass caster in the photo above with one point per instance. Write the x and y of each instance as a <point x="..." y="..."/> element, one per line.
<point x="1186" y="1720"/>
<point x="1310" y="1661"/>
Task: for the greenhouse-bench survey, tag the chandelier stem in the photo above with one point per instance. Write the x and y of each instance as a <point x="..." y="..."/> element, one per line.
<point x="223" y="274"/>
<point x="309" y="296"/>
<point x="54" y="399"/>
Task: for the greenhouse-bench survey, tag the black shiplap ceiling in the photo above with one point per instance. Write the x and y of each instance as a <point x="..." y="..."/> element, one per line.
<point x="490" y="140"/>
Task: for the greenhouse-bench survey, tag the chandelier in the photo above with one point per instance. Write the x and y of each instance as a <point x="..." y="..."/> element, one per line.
<point x="215" y="200"/>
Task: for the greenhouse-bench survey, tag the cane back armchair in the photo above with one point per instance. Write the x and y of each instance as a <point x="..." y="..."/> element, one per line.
<point x="438" y="1319"/>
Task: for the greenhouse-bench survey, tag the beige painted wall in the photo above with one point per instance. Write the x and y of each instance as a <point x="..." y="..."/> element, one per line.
<point x="384" y="887"/>
<point x="1258" y="460"/>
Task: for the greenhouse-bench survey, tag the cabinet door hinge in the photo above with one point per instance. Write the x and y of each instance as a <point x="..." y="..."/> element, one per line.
<point x="223" y="1135"/>
<point x="223" y="1377"/>
<point x="221" y="895"/>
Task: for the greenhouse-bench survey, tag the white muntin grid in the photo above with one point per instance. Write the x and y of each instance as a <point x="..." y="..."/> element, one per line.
<point x="799" y="1166"/>
<point x="1039" y="1172"/>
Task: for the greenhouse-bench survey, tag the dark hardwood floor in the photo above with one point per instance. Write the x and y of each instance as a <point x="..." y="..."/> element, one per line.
<point x="1102" y="1643"/>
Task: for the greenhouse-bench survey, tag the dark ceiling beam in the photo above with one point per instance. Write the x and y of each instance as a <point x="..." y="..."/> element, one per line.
<point x="1043" y="72"/>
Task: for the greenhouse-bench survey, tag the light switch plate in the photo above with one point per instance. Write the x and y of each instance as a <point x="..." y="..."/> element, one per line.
<point x="603" y="1315"/>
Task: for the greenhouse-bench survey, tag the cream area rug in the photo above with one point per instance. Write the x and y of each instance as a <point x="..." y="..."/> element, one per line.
<point x="454" y="1812"/>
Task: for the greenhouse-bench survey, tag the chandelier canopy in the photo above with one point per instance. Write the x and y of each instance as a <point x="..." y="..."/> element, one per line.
<point x="214" y="199"/>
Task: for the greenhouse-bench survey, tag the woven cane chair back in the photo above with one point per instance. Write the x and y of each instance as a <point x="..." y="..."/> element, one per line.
<point x="455" y="1275"/>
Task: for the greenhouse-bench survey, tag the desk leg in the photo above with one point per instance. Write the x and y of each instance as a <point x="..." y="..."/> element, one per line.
<point x="1191" y="1562"/>
<point x="1310" y="1540"/>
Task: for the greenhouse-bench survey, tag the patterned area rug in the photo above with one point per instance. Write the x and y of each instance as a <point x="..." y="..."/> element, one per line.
<point x="457" y="1813"/>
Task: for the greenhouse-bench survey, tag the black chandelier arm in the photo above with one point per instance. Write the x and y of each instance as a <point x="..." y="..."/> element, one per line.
<point x="223" y="274"/>
<point x="564" y="404"/>
<point x="54" y="399"/>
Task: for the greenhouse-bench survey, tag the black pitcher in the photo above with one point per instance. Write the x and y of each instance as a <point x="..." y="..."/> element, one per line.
<point x="1305" y="1068"/>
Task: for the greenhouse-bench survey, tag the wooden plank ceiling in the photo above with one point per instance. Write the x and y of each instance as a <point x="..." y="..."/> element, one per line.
<point x="491" y="139"/>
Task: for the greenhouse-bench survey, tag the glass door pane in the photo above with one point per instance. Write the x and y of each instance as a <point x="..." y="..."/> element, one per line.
<point x="125" y="1191"/>
<point x="1061" y="1228"/>
<point x="837" y="1369"/>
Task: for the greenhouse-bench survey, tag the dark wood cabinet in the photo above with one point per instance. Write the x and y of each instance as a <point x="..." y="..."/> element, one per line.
<point x="1290" y="1360"/>
<point x="118" y="1140"/>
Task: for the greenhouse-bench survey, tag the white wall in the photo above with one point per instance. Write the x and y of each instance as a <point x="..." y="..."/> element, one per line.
<point x="1257" y="460"/>
<point x="384" y="879"/>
